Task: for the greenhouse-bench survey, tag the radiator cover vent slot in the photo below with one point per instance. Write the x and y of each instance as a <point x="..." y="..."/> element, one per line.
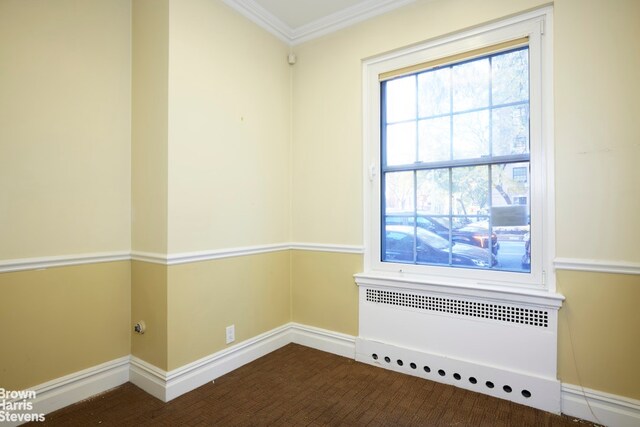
<point x="461" y="307"/>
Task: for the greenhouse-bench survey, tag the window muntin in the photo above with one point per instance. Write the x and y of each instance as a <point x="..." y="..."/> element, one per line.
<point x="451" y="139"/>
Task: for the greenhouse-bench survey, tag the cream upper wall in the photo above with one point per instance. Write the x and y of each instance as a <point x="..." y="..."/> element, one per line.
<point x="596" y="93"/>
<point x="65" y="89"/>
<point x="150" y="125"/>
<point x="597" y="58"/>
<point x="327" y="109"/>
<point x="229" y="130"/>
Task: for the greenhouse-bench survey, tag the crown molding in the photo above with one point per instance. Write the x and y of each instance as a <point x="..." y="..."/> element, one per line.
<point x="292" y="36"/>
<point x="345" y="18"/>
<point x="262" y="17"/>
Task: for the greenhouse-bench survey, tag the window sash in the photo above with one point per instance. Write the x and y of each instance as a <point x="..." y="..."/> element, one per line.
<point x="537" y="25"/>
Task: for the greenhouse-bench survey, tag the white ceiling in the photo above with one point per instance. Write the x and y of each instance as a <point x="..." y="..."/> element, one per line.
<point x="296" y="13"/>
<point x="297" y="21"/>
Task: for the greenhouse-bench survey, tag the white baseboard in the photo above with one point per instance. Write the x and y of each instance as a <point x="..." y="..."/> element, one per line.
<point x="324" y="340"/>
<point x="610" y="410"/>
<point x="73" y="388"/>
<point x="195" y="374"/>
<point x="148" y="377"/>
<point x="169" y="385"/>
<point x="166" y="386"/>
<point x="599" y="407"/>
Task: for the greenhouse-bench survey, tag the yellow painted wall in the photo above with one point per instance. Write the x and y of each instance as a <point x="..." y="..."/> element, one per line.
<point x="150" y="122"/>
<point x="211" y="148"/>
<point x="597" y="145"/>
<point x="229" y="130"/>
<point x="62" y="320"/>
<point x="323" y="291"/>
<point x="327" y="109"/>
<point x="65" y="166"/>
<point x="149" y="303"/>
<point x="65" y="88"/>
<point x="596" y="92"/>
<point x="597" y="59"/>
<point x="251" y="292"/>
<point x="211" y="92"/>
<point x="599" y="345"/>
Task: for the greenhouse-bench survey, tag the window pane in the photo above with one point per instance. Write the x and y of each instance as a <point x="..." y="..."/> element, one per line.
<point x="399" y="244"/>
<point x="433" y="192"/>
<point x="432" y="248"/>
<point x="470" y="190"/>
<point x="510" y="215"/>
<point x="399" y="192"/>
<point x="401" y="99"/>
<point x="471" y="135"/>
<point x="510" y="130"/>
<point x="474" y="245"/>
<point x="434" y="92"/>
<point x="510" y="77"/>
<point x="401" y="144"/>
<point x="435" y="139"/>
<point x="471" y="85"/>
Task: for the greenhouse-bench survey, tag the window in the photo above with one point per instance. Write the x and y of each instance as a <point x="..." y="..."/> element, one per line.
<point x="458" y="136"/>
<point x="450" y="136"/>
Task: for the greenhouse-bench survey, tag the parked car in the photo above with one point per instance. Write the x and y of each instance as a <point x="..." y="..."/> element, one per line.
<point x="476" y="234"/>
<point x="431" y="248"/>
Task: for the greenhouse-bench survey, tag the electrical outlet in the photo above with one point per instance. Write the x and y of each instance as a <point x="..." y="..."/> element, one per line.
<point x="231" y="334"/>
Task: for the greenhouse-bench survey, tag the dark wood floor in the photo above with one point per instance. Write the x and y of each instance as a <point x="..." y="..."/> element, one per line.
<point x="299" y="386"/>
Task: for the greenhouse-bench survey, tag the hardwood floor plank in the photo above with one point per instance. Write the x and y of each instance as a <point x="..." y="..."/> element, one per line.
<point x="300" y="386"/>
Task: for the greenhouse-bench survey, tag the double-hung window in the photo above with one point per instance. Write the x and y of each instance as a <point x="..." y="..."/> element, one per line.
<point x="458" y="151"/>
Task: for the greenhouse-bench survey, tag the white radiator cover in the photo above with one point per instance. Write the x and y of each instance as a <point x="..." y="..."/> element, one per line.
<point x="508" y="348"/>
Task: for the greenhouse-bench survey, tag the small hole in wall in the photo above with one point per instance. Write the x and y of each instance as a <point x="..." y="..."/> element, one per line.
<point x="400" y="362"/>
<point x="413" y="365"/>
<point x="457" y="376"/>
<point x="375" y="356"/>
<point x="489" y="384"/>
<point x="387" y="359"/>
<point x="473" y="380"/>
<point x="507" y="389"/>
<point x="442" y="373"/>
<point x="526" y="393"/>
<point x="427" y="369"/>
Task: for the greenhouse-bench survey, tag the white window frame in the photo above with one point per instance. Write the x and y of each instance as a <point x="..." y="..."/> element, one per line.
<point x="537" y="26"/>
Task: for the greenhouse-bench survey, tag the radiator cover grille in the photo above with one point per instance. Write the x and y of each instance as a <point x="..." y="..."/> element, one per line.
<point x="461" y="307"/>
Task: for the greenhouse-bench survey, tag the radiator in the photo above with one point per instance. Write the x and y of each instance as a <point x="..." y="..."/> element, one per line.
<point x="503" y="349"/>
